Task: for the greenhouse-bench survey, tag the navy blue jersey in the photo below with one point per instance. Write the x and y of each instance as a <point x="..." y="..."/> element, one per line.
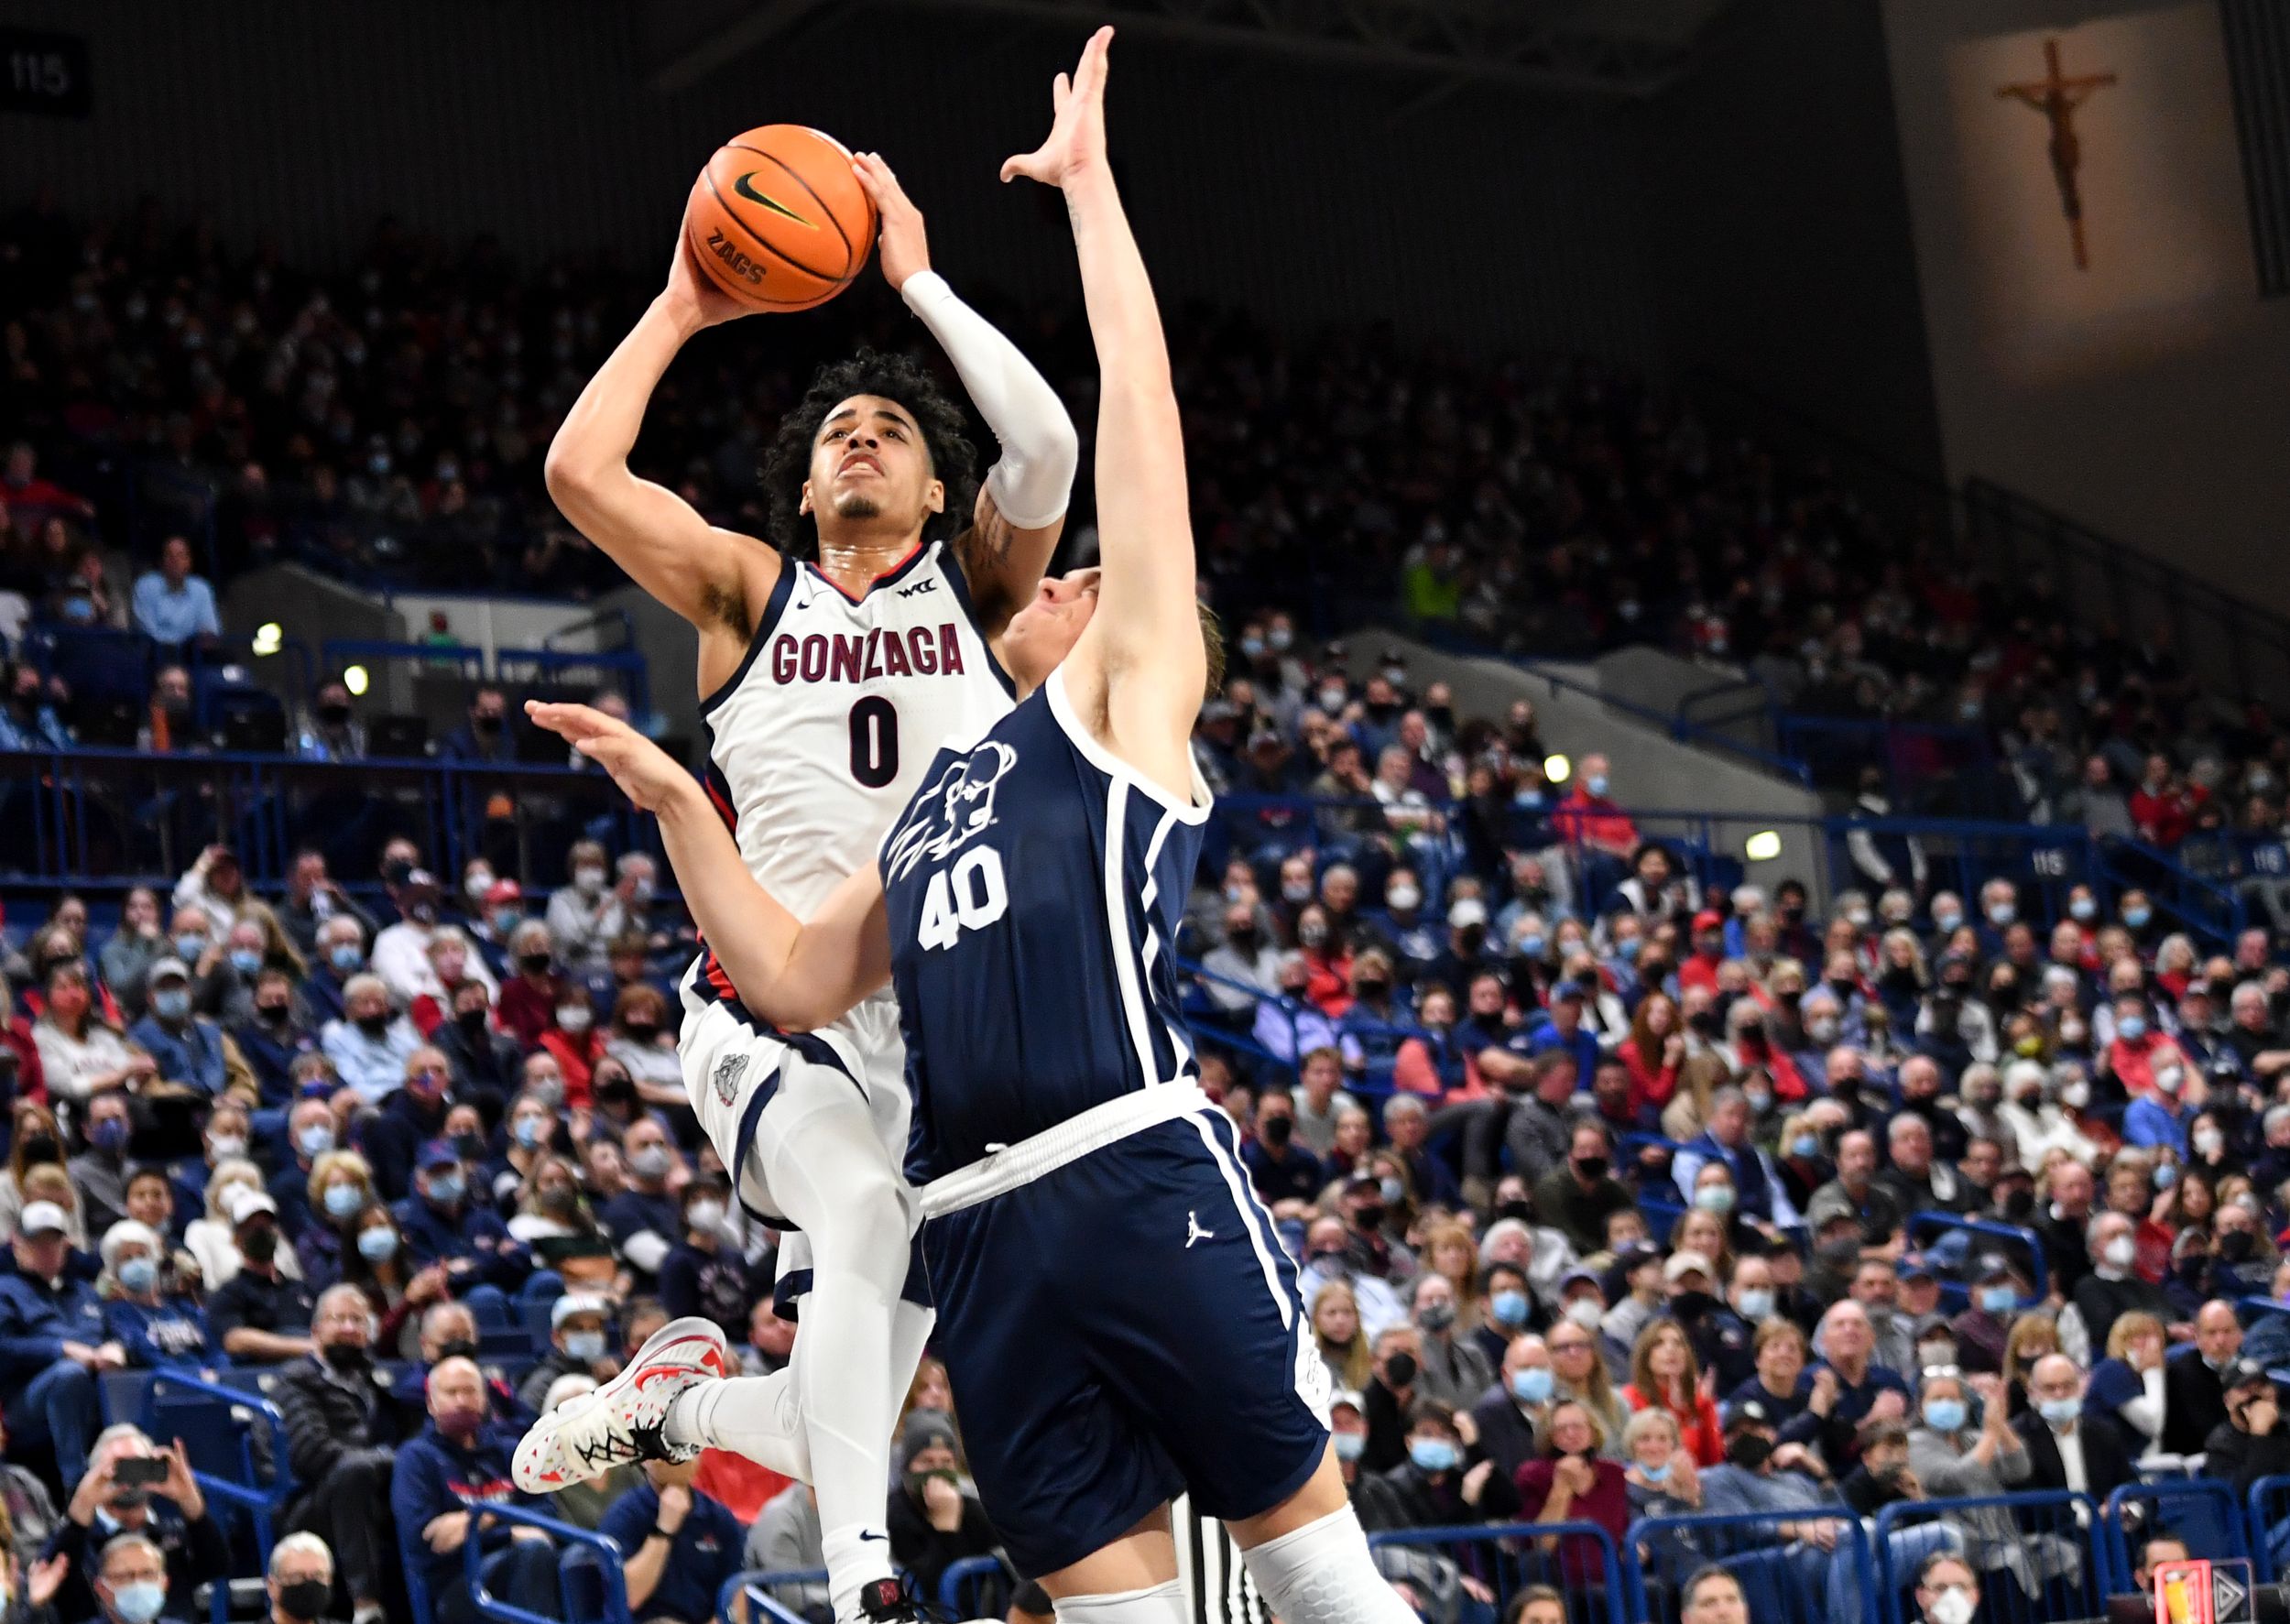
<point x="1034" y="886"/>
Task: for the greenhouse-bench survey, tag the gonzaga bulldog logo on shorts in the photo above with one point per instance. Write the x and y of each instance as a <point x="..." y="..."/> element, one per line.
<point x="728" y="1071"/>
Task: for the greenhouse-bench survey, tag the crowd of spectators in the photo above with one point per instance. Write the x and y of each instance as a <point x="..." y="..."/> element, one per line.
<point x="1604" y="1182"/>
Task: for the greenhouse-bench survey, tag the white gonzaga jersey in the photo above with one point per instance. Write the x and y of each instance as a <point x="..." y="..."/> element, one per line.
<point x="823" y="734"/>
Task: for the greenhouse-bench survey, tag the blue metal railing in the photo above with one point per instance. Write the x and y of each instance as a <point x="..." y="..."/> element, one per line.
<point x="2203" y="1512"/>
<point x="750" y="1587"/>
<point x="611" y="1562"/>
<point x="1785" y="1577"/>
<point x="963" y="1588"/>
<point x="2023" y="1246"/>
<point x="1506" y="1557"/>
<point x="2040" y="1554"/>
<point x="262" y="1495"/>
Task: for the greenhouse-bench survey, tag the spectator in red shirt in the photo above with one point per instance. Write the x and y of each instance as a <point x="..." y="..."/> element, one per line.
<point x="528" y="1006"/>
<point x="2139" y="1048"/>
<point x="1589" y="816"/>
<point x="1652" y="1050"/>
<point x="1700" y="966"/>
<point x="2163" y="808"/>
<point x="30" y="496"/>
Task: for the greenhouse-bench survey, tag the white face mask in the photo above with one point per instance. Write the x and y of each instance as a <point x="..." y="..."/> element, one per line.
<point x="1952" y="1605"/>
<point x="707" y="1217"/>
<point x="574" y="1018"/>
<point x="1584" y="1311"/>
<point x="2120" y="1252"/>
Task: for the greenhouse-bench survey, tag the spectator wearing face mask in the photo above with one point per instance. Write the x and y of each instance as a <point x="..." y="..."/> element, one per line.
<point x="1280" y="1169"/>
<point x="578" y="1346"/>
<point x="156" y="1323"/>
<point x="1948" y="1591"/>
<point x="1451" y="1367"/>
<point x="338" y="958"/>
<point x="339" y="1445"/>
<point x="2067" y="1448"/>
<point x="2112" y="1289"/>
<point x="1329" y="1260"/>
<point x="442" y="1224"/>
<point x="584" y="916"/>
<point x="1514" y="1412"/>
<point x="484" y="1061"/>
<point x="459" y="1458"/>
<point x="2250" y="1443"/>
<point x="370" y="1046"/>
<point x="644" y="1219"/>
<point x="410" y="1117"/>
<point x="932" y="1523"/>
<point x="1388" y="1397"/>
<point x="262" y="1314"/>
<point x="1440" y="1484"/>
<point x="189" y="1049"/>
<point x="273" y="1037"/>
<point x="704" y="1275"/>
<point x="578" y="1046"/>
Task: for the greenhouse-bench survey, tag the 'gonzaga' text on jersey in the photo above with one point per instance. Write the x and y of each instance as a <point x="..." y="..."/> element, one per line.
<point x="835" y="713"/>
<point x="1034" y="886"/>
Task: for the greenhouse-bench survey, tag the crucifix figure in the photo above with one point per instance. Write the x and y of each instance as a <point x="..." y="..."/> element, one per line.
<point x="2057" y="97"/>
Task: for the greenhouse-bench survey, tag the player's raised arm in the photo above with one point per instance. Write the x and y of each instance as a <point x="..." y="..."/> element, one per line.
<point x="1021" y="506"/>
<point x="799" y="975"/>
<point x="1143" y="648"/>
<point x="703" y="573"/>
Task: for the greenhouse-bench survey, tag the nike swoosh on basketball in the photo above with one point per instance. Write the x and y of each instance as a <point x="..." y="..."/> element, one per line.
<point x="776" y="207"/>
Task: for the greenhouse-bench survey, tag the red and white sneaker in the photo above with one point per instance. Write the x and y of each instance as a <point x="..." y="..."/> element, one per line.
<point x="625" y="1419"/>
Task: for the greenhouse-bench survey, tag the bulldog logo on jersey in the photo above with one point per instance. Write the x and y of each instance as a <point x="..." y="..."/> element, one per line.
<point x="957" y="806"/>
<point x="728" y="1071"/>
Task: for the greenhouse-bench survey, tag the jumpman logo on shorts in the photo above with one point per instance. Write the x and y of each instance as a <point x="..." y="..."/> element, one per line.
<point x="1194" y="1232"/>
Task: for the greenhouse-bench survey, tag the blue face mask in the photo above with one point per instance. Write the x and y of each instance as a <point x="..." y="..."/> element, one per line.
<point x="1531" y="1386"/>
<point x="345" y="957"/>
<point x="587" y="1347"/>
<point x="447" y="1190"/>
<point x="2060" y="1411"/>
<point x="315" y="1140"/>
<point x="139" y="1603"/>
<point x="345" y="1201"/>
<point x="1628" y="947"/>
<point x="504" y="922"/>
<point x="526" y="1131"/>
<point x="1510" y="1308"/>
<point x="1659" y="1474"/>
<point x="1350" y="1445"/>
<point x="246" y="960"/>
<point x="1947" y="922"/>
<point x="1944" y="1415"/>
<point x="378" y="1246"/>
<point x="1757" y="1303"/>
<point x="1595" y="784"/>
<point x="1805" y="1147"/>
<point x="1431" y="1454"/>
<point x="188" y="948"/>
<point x="1998" y="1299"/>
<point x="138" y="1275"/>
<point x="1391" y="1189"/>
<point x="171" y="1004"/>
<point x="2137" y="917"/>
<point x="1531" y="947"/>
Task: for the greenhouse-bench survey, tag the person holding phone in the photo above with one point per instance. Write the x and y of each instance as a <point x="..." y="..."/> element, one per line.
<point x="133" y="1485"/>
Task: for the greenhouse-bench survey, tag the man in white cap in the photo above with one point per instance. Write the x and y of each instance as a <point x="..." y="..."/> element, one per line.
<point x="578" y="1347"/>
<point x="51" y="1345"/>
<point x="260" y="1316"/>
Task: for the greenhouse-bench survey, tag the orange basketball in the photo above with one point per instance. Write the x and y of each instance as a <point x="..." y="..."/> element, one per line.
<point x="778" y="220"/>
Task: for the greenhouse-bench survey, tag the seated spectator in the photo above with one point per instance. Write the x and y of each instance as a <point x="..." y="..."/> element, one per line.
<point x="786" y="1539"/>
<point x="553" y="1218"/>
<point x="641" y="1039"/>
<point x="81" y="1054"/>
<point x="2067" y="1448"/>
<point x="1759" y="1195"/>
<point x="1666" y="1376"/>
<point x="442" y="1224"/>
<point x="156" y="1329"/>
<point x="1434" y="1486"/>
<point x="1451" y="1367"/>
<point x="584" y="916"/>
<point x="339" y="1434"/>
<point x="1846" y="1387"/>
<point x="643" y="1219"/>
<point x="99" y="1173"/>
<point x="131" y="1583"/>
<point x="1574" y="1481"/>
<point x="262" y="1315"/>
<point x="2112" y="1287"/>
<point x="369" y="1045"/>
<point x="299" y="1581"/>
<point x="1280" y="1170"/>
<point x="1576" y="1196"/>
<point x="186" y="1546"/>
<point x="409" y="1117"/>
<point x="274" y="1037"/>
<point x="173" y="605"/>
<point x="461" y="1456"/>
<point x="577" y="1346"/>
<point x="135" y="946"/>
<point x="52" y="1344"/>
<point x="338" y="959"/>
<point x="932" y="1523"/>
<point x="2126" y="1386"/>
<point x="1514" y="1412"/>
<point x="2251" y="1442"/>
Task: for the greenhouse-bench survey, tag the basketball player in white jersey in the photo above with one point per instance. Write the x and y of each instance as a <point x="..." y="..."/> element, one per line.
<point x="832" y="664"/>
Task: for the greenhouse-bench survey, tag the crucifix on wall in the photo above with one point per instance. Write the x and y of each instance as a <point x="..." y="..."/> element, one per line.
<point x="2057" y="97"/>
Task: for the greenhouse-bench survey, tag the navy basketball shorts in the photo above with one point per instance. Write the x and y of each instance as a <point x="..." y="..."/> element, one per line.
<point x="1125" y="1327"/>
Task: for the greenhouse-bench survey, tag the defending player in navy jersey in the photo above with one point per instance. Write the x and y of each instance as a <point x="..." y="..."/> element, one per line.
<point x="1024" y="906"/>
<point x="832" y="662"/>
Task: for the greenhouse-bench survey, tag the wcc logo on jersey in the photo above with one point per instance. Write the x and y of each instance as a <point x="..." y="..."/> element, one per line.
<point x="958" y="805"/>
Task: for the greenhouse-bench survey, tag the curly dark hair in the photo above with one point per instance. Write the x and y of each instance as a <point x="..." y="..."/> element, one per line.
<point x="899" y="377"/>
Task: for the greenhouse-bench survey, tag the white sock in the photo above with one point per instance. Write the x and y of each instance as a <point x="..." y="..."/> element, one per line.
<point x="826" y="1167"/>
<point x="1321" y="1574"/>
<point x="1160" y="1604"/>
<point x="754" y="1416"/>
<point x="760" y="1417"/>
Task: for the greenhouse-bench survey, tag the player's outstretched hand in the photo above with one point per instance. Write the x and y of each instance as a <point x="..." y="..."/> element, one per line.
<point x="1077" y="139"/>
<point x="644" y="771"/>
<point x="906" y="251"/>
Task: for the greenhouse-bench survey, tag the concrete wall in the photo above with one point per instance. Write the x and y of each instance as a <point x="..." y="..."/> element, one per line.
<point x="1650" y="770"/>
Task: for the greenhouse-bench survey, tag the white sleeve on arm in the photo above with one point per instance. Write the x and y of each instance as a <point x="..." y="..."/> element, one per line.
<point x="1040" y="450"/>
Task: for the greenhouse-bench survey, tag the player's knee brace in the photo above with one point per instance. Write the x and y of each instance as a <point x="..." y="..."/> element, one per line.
<point x="1160" y="1604"/>
<point x="1321" y="1574"/>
